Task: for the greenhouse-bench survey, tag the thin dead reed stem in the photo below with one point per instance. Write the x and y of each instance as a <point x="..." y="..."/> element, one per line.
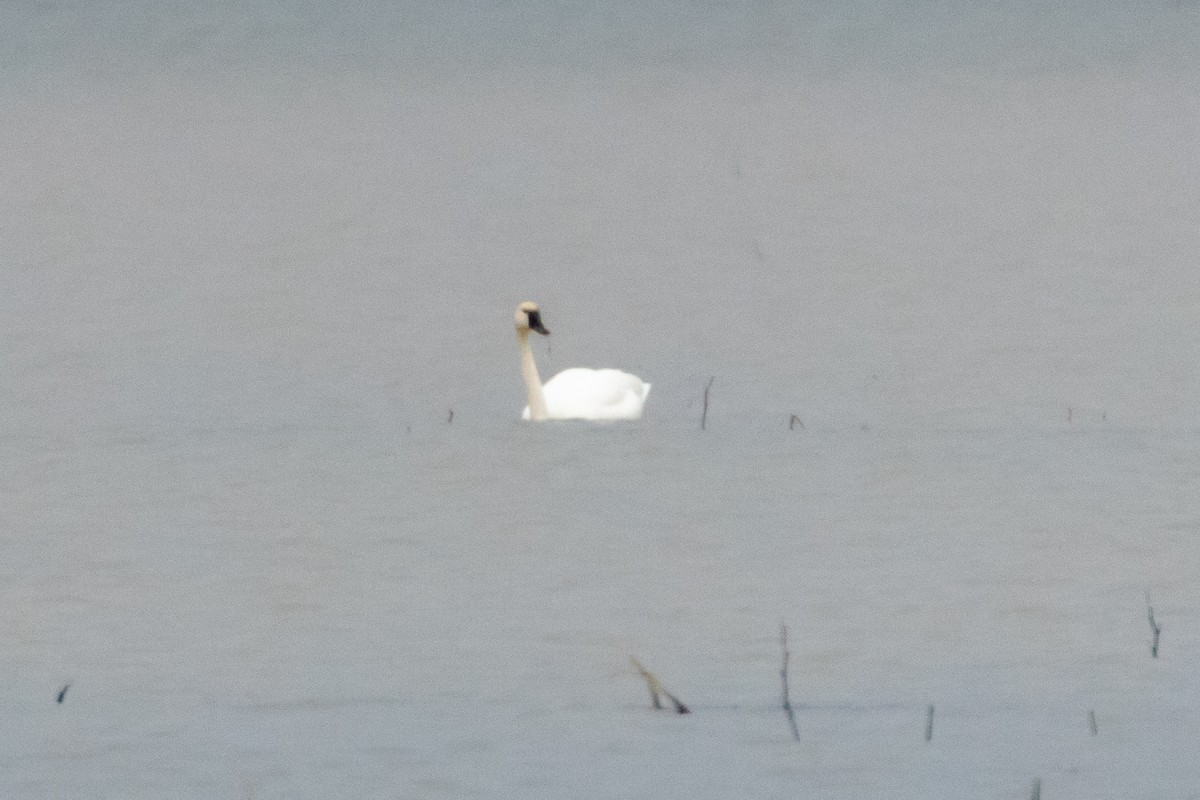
<point x="704" y="414"/>
<point x="1153" y="627"/>
<point x="783" y="676"/>
<point x="656" y="688"/>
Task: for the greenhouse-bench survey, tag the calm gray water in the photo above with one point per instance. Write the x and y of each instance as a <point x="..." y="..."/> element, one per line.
<point x="254" y="259"/>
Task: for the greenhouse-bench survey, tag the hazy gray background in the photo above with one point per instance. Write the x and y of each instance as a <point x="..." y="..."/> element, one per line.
<point x="253" y="257"/>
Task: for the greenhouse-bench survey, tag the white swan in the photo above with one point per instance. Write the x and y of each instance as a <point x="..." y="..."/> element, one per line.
<point x="596" y="394"/>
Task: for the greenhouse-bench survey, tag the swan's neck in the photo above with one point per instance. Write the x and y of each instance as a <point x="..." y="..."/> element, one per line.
<point x="533" y="382"/>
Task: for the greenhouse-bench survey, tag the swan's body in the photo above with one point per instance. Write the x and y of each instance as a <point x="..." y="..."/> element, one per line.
<point x="577" y="393"/>
<point x="599" y="394"/>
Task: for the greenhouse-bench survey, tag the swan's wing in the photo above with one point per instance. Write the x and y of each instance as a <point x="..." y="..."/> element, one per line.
<point x="594" y="387"/>
<point x="595" y="394"/>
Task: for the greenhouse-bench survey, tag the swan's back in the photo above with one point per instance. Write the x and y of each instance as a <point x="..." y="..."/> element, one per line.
<point x="596" y="394"/>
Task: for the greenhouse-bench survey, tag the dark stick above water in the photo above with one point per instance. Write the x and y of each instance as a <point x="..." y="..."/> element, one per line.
<point x="704" y="414"/>
<point x="1153" y="627"/>
<point x="656" y="688"/>
<point x="783" y="675"/>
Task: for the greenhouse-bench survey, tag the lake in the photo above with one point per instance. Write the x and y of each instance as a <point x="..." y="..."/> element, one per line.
<point x="270" y="514"/>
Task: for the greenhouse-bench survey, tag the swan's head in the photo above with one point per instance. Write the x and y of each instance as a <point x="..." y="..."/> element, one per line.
<point x="528" y="318"/>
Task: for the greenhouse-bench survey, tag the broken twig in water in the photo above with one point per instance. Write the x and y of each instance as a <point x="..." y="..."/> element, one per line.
<point x="450" y="417"/>
<point x="704" y="414"/>
<point x="792" y="422"/>
<point x="783" y="676"/>
<point x="656" y="688"/>
<point x="62" y="693"/>
<point x="929" y="724"/>
<point x="1153" y="627"/>
<point x="1092" y="723"/>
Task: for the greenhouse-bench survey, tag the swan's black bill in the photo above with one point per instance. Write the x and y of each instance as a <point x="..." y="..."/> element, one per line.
<point x="535" y="322"/>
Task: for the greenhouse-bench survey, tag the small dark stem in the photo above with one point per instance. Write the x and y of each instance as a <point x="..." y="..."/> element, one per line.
<point x="656" y="688"/>
<point x="1092" y="723"/>
<point x="704" y="414"/>
<point x="929" y="724"/>
<point x="783" y="675"/>
<point x="1154" y="627"/>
